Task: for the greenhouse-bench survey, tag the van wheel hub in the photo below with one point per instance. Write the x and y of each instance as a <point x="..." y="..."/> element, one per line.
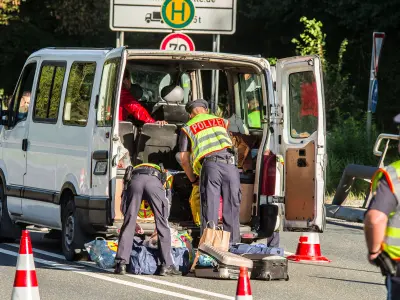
<point x="69" y="231"/>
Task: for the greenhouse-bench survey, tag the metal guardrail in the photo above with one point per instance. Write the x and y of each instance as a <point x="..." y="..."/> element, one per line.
<point x="381" y="137"/>
<point x="352" y="171"/>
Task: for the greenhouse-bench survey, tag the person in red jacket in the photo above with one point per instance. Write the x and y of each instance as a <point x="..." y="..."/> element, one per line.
<point x="129" y="106"/>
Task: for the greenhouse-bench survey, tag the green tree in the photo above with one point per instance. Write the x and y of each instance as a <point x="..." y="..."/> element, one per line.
<point x="8" y="11"/>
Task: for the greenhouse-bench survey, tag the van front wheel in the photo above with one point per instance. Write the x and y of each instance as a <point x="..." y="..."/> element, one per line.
<point x="71" y="233"/>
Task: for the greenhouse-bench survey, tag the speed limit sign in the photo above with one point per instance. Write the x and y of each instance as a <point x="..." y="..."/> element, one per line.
<point x="177" y="42"/>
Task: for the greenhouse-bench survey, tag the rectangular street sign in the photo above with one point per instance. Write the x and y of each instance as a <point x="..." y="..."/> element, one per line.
<point x="211" y="16"/>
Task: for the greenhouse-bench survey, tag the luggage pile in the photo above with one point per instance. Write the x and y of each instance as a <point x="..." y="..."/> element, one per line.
<point x="214" y="258"/>
<point x="145" y="254"/>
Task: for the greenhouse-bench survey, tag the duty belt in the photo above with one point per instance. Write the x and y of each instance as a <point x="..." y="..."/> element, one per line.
<point x="229" y="160"/>
<point x="148" y="171"/>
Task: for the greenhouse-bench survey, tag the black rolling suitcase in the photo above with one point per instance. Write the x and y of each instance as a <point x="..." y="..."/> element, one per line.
<point x="268" y="267"/>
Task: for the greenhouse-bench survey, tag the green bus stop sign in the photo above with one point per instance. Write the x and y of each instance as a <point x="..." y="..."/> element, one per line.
<point x="178" y="14"/>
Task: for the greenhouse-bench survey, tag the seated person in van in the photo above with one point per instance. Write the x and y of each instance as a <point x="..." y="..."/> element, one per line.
<point x="24" y="105"/>
<point x="129" y="106"/>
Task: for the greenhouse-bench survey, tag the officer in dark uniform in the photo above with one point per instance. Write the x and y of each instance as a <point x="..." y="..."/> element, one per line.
<point x="382" y="225"/>
<point x="148" y="183"/>
<point x="208" y="159"/>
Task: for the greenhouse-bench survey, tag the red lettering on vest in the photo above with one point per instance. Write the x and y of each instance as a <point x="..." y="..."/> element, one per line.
<point x="202" y="125"/>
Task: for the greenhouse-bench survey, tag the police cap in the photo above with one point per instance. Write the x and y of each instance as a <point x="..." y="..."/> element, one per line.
<point x="196" y="103"/>
<point x="397" y="119"/>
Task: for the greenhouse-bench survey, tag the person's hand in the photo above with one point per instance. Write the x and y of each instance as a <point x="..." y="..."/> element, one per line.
<point x="372" y="257"/>
<point x="161" y="123"/>
<point x="139" y="229"/>
<point x="196" y="182"/>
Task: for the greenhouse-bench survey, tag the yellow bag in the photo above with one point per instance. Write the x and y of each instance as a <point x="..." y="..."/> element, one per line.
<point x="194" y="202"/>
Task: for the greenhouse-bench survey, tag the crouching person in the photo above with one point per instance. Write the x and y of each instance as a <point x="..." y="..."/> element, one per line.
<point x="145" y="182"/>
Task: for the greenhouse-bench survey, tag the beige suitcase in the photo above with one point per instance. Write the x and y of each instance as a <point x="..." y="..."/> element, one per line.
<point x="228" y="264"/>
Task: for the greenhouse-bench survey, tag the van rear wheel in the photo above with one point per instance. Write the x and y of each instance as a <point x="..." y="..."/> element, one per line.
<point x="72" y="242"/>
<point x="8" y="230"/>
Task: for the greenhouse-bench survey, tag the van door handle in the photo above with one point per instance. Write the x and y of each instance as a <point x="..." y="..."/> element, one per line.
<point x="24" y="144"/>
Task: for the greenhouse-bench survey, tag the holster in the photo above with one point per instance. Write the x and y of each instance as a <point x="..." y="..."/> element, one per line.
<point x="386" y="264"/>
<point x="235" y="153"/>
<point x="128" y="177"/>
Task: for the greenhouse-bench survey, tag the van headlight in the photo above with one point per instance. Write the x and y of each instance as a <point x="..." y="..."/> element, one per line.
<point x="100" y="168"/>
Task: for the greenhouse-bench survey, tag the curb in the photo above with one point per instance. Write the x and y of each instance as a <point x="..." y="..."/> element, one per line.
<point x="347" y="213"/>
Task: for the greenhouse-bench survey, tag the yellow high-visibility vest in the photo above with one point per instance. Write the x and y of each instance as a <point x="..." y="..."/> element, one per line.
<point x="207" y="134"/>
<point x="391" y="243"/>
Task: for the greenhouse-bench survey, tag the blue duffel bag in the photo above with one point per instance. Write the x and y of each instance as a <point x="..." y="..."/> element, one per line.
<point x="145" y="261"/>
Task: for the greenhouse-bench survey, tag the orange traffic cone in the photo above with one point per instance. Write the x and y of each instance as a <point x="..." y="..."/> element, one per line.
<point x="25" y="282"/>
<point x="308" y="249"/>
<point x="243" y="291"/>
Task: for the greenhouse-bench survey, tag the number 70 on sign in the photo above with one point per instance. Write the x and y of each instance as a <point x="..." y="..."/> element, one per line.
<point x="177" y="42"/>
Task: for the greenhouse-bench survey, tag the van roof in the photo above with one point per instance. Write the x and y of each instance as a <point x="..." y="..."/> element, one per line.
<point x="81" y="51"/>
<point x="63" y="51"/>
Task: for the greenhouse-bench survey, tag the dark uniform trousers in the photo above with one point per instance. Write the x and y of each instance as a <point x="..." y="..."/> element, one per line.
<point x="149" y="188"/>
<point x="216" y="179"/>
<point x="393" y="285"/>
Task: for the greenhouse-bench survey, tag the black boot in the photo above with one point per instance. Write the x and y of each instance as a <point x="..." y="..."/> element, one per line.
<point x="164" y="271"/>
<point x="120" y="269"/>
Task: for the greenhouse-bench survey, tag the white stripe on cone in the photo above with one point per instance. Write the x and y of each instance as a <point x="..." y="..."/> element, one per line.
<point x="25" y="293"/>
<point x="244" y="297"/>
<point x="25" y="262"/>
<point x="313" y="238"/>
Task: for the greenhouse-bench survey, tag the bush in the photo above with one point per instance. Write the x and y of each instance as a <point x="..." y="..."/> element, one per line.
<point x="347" y="143"/>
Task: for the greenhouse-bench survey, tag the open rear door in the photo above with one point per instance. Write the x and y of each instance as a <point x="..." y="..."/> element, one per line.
<point x="302" y="141"/>
<point x="105" y="137"/>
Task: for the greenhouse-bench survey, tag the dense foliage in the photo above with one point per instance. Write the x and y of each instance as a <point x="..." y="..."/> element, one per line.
<point x="263" y="27"/>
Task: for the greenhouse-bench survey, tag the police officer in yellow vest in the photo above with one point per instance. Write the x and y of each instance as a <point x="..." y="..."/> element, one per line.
<point x="151" y="183"/>
<point x="206" y="141"/>
<point x="382" y="225"/>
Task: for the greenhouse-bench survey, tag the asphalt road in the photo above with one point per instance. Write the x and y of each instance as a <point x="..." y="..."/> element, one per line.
<point x="348" y="276"/>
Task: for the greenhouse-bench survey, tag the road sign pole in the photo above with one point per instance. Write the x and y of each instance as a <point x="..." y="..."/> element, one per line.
<point x="215" y="75"/>
<point x="377" y="42"/>
<point x="120" y="39"/>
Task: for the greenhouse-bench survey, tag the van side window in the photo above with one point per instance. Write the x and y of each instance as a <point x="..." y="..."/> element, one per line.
<point x="48" y="94"/>
<point x="251" y="99"/>
<point x="108" y="88"/>
<point x="79" y="93"/>
<point x="303" y="104"/>
<point x="22" y="97"/>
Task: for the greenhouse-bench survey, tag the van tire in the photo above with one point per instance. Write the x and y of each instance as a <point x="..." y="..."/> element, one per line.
<point x="71" y="232"/>
<point x="9" y="232"/>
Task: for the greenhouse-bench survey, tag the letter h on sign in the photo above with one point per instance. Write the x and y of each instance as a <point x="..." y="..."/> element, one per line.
<point x="176" y="11"/>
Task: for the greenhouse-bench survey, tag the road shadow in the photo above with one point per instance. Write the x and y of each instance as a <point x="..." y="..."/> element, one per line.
<point x="344" y="225"/>
<point x="348" y="280"/>
<point x="335" y="267"/>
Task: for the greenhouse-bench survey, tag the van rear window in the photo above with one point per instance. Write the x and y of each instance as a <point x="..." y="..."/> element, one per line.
<point x="108" y="87"/>
<point x="303" y="104"/>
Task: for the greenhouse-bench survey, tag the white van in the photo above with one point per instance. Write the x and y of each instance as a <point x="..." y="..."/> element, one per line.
<point x="58" y="152"/>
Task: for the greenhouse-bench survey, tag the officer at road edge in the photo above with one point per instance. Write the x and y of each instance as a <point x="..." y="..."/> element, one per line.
<point x="146" y="182"/>
<point x="213" y="162"/>
<point x="382" y="224"/>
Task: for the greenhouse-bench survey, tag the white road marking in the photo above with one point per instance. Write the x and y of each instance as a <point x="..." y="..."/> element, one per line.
<point x="106" y="278"/>
<point x="145" y="278"/>
<point x="288" y="253"/>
